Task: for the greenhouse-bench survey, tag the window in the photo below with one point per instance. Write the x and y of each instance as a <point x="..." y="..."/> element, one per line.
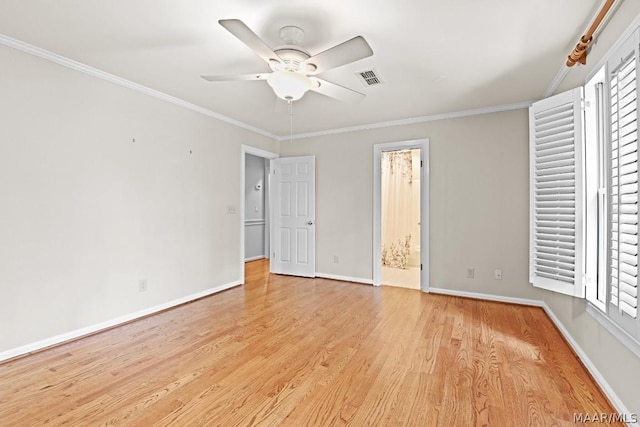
<point x="596" y="189"/>
<point x="584" y="191"/>
<point x="622" y="197"/>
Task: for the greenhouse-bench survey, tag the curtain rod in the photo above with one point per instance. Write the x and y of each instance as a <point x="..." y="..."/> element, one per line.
<point x="579" y="54"/>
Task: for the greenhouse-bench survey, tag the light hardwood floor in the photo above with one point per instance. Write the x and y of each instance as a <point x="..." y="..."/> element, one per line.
<point x="291" y="351"/>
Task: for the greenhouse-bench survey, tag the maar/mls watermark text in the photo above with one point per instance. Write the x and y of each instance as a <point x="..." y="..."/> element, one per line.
<point x="605" y="418"/>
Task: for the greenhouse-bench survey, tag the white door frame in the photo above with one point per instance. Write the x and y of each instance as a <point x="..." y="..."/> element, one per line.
<point x="247" y="149"/>
<point x="423" y="145"/>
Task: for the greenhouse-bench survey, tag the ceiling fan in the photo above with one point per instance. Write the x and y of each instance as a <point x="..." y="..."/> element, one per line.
<point x="293" y="69"/>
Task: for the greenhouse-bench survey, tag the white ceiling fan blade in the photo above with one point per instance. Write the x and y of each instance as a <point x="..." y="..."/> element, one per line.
<point x="248" y="37"/>
<point x="335" y="91"/>
<point x="344" y="53"/>
<point x="236" y="77"/>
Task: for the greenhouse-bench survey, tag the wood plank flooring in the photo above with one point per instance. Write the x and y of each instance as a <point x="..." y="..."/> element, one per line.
<point x="309" y="352"/>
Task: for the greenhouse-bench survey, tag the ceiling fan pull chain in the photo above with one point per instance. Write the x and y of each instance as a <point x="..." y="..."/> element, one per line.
<point x="290" y="120"/>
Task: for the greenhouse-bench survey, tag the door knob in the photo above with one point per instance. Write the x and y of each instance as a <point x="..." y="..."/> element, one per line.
<point x="309" y="222"/>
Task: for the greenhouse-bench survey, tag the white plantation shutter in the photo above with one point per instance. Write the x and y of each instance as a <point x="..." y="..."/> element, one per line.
<point x="623" y="185"/>
<point x="557" y="202"/>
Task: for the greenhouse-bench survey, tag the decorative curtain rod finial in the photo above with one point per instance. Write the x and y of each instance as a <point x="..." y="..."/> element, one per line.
<point x="579" y="54"/>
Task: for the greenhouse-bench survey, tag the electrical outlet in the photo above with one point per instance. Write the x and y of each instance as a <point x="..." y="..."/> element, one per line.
<point x="142" y="285"/>
<point x="470" y="273"/>
<point x="498" y="274"/>
<point x="336" y="259"/>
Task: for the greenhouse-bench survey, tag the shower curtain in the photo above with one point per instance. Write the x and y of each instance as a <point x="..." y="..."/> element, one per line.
<point x="397" y="177"/>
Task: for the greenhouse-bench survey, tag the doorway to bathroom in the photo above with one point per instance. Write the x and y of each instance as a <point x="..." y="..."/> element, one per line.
<point x="400" y="218"/>
<point x="401" y="214"/>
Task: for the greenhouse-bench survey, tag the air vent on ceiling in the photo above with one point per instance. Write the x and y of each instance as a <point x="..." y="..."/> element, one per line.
<point x="369" y="78"/>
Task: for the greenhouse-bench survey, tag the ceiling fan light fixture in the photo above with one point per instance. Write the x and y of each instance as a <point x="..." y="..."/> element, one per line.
<point x="289" y="85"/>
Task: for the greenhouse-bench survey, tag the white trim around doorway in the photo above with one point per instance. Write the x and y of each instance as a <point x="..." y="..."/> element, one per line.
<point x="423" y="145"/>
<point x="247" y="149"/>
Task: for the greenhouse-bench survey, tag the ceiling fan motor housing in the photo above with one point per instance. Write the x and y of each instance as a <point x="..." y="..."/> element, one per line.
<point x="291" y="57"/>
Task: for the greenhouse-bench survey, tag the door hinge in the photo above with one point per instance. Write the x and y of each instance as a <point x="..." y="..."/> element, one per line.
<point x="274" y="255"/>
<point x="420" y="163"/>
<point x="420" y="267"/>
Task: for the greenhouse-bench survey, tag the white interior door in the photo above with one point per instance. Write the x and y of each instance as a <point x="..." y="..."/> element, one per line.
<point x="294" y="208"/>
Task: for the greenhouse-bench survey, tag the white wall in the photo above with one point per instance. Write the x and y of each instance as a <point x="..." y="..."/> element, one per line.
<point x="478" y="199"/>
<point x="85" y="213"/>
<point x="254" y="207"/>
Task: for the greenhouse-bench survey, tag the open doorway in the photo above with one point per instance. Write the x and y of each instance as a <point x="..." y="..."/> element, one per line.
<point x="401" y="214"/>
<point x="255" y="223"/>
<point x="400" y="218"/>
<point x="256" y="186"/>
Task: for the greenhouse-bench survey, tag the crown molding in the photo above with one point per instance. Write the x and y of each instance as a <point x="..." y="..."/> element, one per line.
<point x="83" y="68"/>
<point x="562" y="73"/>
<point x="86" y="69"/>
<point x="412" y="120"/>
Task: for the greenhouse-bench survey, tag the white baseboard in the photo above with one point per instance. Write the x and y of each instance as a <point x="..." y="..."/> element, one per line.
<point x="344" y="278"/>
<point x="488" y="297"/>
<point x="254" y="258"/>
<point x="595" y="373"/>
<point x="79" y="333"/>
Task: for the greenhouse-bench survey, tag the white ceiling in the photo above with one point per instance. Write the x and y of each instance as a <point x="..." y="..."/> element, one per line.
<point x="434" y="56"/>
